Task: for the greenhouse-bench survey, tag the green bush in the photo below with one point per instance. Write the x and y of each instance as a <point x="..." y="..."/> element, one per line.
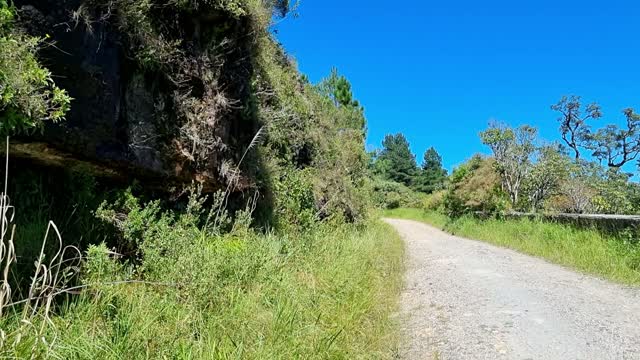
<point x="435" y="201"/>
<point x="295" y="207"/>
<point x="28" y="95"/>
<point x="392" y="195"/>
<point x="475" y="187"/>
<point x="194" y="292"/>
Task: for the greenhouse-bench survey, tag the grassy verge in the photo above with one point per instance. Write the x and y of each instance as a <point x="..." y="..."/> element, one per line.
<point x="325" y="293"/>
<point x="587" y="250"/>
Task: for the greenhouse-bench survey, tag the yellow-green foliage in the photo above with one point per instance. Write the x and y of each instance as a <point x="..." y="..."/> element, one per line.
<point x="475" y="186"/>
<point x="325" y="293"/>
<point x="28" y="95"/>
<point x="430" y="217"/>
<point x="435" y="201"/>
<point x="307" y="129"/>
<point x="392" y="195"/>
<point x="295" y="202"/>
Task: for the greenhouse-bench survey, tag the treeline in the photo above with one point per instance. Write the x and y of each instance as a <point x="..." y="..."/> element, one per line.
<point x="397" y="177"/>
<point x="589" y="169"/>
<point x="580" y="173"/>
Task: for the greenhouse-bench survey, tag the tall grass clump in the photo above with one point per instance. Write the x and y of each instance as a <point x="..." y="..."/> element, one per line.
<point x="323" y="294"/>
<point x="202" y="286"/>
<point x="25" y="321"/>
<point x="615" y="257"/>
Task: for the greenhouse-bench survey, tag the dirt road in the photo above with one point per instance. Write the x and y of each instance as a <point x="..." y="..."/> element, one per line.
<point x="465" y="299"/>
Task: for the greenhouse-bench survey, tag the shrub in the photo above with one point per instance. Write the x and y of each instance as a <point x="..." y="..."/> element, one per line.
<point x="28" y="95"/>
<point x="475" y="187"/>
<point x="435" y="201"/>
<point x="393" y="195"/>
<point x="310" y="129"/>
<point x="295" y="205"/>
<point x="197" y="292"/>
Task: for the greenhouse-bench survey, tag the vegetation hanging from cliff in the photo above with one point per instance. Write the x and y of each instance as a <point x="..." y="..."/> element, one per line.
<point x="223" y="77"/>
<point x="28" y="94"/>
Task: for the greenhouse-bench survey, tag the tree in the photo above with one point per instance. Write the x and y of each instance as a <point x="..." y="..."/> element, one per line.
<point x="512" y="150"/>
<point x="341" y="90"/>
<point x="281" y="7"/>
<point x="379" y="166"/>
<point x="579" y="195"/>
<point x="615" y="193"/>
<point x="28" y="95"/>
<point x="591" y="187"/>
<point x="547" y="176"/>
<point x="400" y="162"/>
<point x="432" y="176"/>
<point x="338" y="89"/>
<point x="432" y="161"/>
<point x="573" y="123"/>
<point x="618" y="146"/>
<point x="474" y="186"/>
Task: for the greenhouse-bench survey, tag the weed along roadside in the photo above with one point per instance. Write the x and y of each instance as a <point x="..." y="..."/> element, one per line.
<point x="328" y="291"/>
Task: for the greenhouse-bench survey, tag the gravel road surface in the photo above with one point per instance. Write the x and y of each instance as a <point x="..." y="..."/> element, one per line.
<point x="465" y="299"/>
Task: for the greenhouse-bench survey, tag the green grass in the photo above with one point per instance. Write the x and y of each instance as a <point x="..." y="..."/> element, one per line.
<point x="329" y="292"/>
<point x="587" y="250"/>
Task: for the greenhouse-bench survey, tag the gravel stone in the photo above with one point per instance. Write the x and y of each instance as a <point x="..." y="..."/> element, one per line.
<point x="465" y="299"/>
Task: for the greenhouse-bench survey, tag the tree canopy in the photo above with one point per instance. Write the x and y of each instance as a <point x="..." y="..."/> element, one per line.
<point x="616" y="146"/>
<point x="432" y="176"/>
<point x="338" y="88"/>
<point x="574" y="130"/>
<point x="398" y="163"/>
<point x="512" y="150"/>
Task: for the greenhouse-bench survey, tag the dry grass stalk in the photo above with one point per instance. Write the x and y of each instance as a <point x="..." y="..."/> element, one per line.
<point x="48" y="280"/>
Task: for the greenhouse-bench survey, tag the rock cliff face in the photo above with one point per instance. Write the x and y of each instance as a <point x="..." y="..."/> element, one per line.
<point x="186" y="118"/>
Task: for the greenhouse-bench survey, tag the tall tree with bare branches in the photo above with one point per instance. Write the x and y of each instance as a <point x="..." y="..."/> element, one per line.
<point x="547" y="175"/>
<point x="573" y="122"/>
<point x="616" y="146"/>
<point x="512" y="150"/>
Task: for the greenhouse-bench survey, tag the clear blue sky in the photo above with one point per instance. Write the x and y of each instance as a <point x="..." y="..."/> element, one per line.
<point x="438" y="71"/>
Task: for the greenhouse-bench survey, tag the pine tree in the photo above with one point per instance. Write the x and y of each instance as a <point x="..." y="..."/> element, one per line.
<point x="432" y="176"/>
<point x="338" y="88"/>
<point x="401" y="163"/>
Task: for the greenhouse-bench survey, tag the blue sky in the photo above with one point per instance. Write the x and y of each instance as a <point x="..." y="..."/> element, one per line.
<point x="439" y="71"/>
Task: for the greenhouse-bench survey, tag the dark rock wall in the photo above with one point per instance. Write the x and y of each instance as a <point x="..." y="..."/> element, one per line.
<point x="122" y="115"/>
<point x="90" y="68"/>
